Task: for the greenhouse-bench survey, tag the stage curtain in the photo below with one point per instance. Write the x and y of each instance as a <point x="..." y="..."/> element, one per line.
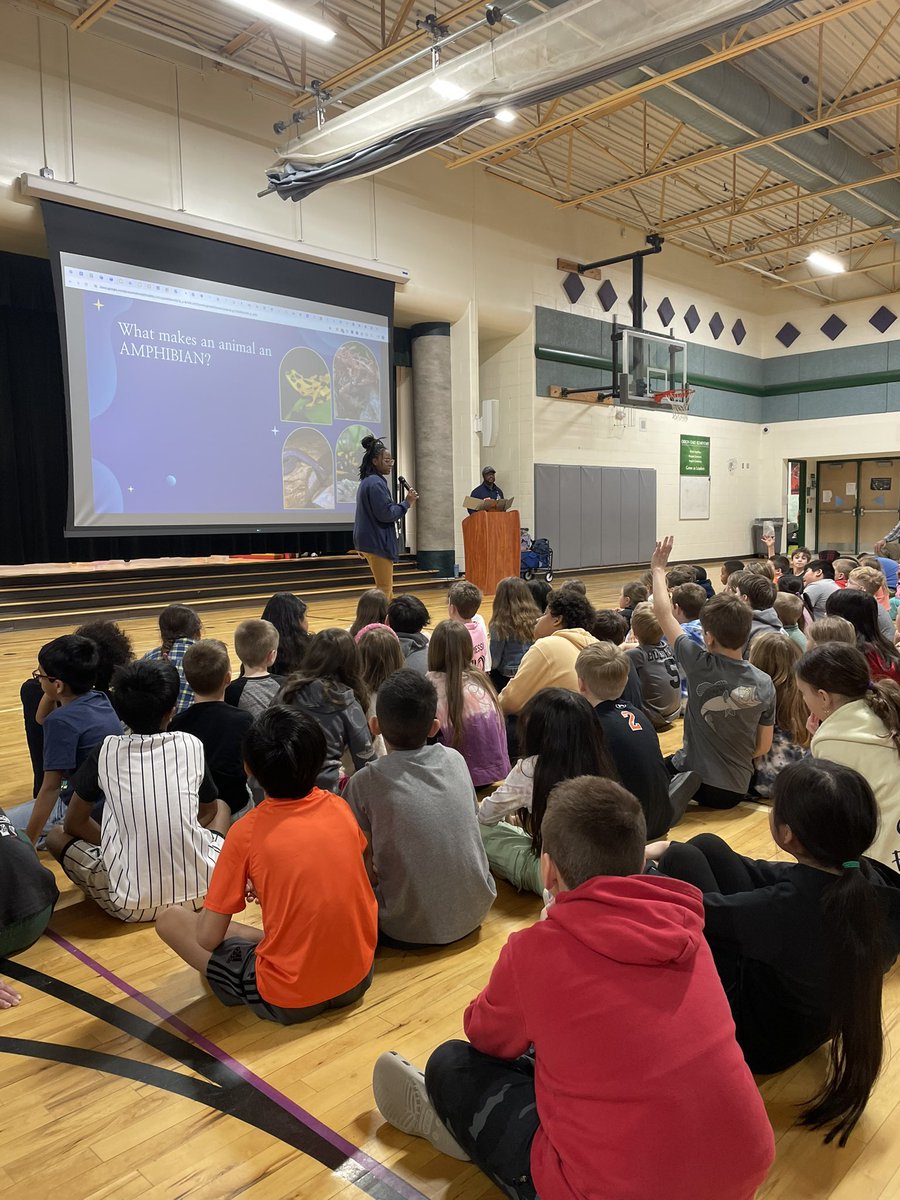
<point x="34" y="470"/>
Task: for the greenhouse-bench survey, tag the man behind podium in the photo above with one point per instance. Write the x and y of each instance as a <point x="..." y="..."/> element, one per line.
<point x="488" y="489"/>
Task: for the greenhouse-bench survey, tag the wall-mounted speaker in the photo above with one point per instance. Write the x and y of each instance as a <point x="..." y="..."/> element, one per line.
<point x="490" y="421"/>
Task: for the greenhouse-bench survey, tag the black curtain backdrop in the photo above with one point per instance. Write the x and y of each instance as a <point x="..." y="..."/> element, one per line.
<point x="34" y="469"/>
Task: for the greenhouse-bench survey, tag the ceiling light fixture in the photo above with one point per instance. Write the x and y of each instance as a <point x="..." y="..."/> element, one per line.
<point x="290" y="18"/>
<point x="825" y="262"/>
<point x="447" y="89"/>
<point x="506" y="116"/>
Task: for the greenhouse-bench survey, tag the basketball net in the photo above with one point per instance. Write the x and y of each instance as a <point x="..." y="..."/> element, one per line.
<point x="678" y="400"/>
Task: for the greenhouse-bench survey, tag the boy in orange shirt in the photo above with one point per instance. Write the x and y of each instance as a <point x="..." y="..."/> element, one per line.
<point x="300" y="853"/>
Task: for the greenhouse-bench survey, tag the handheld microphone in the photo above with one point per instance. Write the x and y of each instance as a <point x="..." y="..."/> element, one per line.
<point x="403" y="483"/>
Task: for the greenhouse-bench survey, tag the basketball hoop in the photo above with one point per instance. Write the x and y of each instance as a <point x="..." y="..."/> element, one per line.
<point x="678" y="400"/>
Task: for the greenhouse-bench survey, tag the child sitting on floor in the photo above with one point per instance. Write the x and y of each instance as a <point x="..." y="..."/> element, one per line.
<point x="28" y="892"/>
<point x="416" y="807"/>
<point x="329" y="689"/>
<point x="731" y="705"/>
<point x="218" y="726"/>
<point x="656" y="668"/>
<point x="778" y="656"/>
<point x="469" y="717"/>
<point x="802" y="947"/>
<point x="162" y="823"/>
<point x="75" y="718"/>
<point x="559" y="739"/>
<point x="631" y="740"/>
<point x="408" y="616"/>
<point x="379" y="657"/>
<point x="687" y="603"/>
<point x="790" y="609"/>
<point x="300" y="853"/>
<point x="463" y="602"/>
<point x="759" y="594"/>
<point x="842" y="568"/>
<point x="633" y="594"/>
<point x="512" y="628"/>
<point x="256" y="645"/>
<point x="594" y="1026"/>
<point x="179" y="628"/>
<point x="371" y="609"/>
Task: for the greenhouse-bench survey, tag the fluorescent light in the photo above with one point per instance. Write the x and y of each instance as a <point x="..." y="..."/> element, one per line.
<point x="825" y="262"/>
<point x="506" y="116"/>
<point x="291" y="18"/>
<point x="447" y="88"/>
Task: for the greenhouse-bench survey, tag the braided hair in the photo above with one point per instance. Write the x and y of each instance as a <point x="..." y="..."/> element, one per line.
<point x="373" y="446"/>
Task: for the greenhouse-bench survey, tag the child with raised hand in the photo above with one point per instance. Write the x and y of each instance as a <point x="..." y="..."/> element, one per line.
<point x="802" y="947"/>
<point x="731" y="704"/>
<point x="778" y="656"/>
<point x="511" y="629"/>
<point x="858" y="726"/>
<point x="469" y="717"/>
<point x="162" y="824"/>
<point x="789" y="609"/>
<point x="657" y="671"/>
<point x="328" y="688"/>
<point x="256" y="645"/>
<point x="463" y="602"/>
<point x="379" y="657"/>
<point x="301" y="854"/>
<point x="179" y="628"/>
<point x="371" y="609"/>
<point x="416" y="807"/>
<point x="560" y="739"/>
<point x="859" y="608"/>
<point x="633" y="594"/>
<point x="593" y="1028"/>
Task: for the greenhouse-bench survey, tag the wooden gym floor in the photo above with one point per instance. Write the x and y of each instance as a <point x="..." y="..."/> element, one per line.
<point x="121" y="1077"/>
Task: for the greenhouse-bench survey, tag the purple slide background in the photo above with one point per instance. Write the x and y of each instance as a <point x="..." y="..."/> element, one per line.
<point x="207" y="427"/>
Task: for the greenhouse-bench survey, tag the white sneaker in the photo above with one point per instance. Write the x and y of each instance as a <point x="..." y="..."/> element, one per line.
<point x="402" y="1100"/>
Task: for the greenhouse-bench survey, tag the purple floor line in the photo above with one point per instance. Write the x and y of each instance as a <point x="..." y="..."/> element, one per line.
<point x="375" y="1168"/>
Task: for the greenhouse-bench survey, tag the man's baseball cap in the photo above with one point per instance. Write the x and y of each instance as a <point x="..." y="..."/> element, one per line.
<point x="488" y="471"/>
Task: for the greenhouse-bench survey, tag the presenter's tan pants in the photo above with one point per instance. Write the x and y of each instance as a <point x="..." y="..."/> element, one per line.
<point x="383" y="573"/>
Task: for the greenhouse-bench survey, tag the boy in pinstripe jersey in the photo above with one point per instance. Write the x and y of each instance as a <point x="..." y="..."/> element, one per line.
<point x="162" y="824"/>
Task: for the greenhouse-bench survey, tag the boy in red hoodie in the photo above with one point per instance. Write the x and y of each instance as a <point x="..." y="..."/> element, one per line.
<point x="600" y="1032"/>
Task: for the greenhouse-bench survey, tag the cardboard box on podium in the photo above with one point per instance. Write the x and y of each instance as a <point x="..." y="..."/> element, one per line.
<point x="492" y="543"/>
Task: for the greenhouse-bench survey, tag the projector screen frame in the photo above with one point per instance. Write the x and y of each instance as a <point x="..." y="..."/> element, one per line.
<point x="80" y="231"/>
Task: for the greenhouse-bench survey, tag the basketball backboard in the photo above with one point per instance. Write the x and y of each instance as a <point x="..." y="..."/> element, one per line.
<point x="650" y="363"/>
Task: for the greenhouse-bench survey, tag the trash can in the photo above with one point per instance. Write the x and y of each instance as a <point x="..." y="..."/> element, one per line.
<point x="763" y="525"/>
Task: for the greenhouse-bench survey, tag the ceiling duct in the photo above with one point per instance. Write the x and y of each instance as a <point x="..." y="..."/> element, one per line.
<point x="812" y="160"/>
<point x="570" y="47"/>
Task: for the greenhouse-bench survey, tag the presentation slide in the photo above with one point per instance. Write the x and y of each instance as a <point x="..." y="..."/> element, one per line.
<point x="202" y="404"/>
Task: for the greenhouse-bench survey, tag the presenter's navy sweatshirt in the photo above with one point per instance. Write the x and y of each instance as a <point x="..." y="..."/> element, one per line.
<point x="374" y="530"/>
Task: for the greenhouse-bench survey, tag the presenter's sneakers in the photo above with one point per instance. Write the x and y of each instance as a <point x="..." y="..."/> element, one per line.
<point x="402" y="1100"/>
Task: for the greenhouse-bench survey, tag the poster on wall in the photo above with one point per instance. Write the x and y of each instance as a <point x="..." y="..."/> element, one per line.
<point x="694" y="478"/>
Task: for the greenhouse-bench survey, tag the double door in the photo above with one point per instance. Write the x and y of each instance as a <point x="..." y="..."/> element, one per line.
<point x="858" y="501"/>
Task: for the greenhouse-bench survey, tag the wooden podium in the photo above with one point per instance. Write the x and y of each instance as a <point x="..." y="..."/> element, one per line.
<point x="492" y="542"/>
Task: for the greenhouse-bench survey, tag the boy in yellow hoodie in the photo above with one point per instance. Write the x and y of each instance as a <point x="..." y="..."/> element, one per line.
<point x="559" y="637"/>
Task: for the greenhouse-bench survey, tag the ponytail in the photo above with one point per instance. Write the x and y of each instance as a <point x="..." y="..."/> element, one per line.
<point x="373" y="446"/>
<point x="883" y="698"/>
<point x="831" y="810"/>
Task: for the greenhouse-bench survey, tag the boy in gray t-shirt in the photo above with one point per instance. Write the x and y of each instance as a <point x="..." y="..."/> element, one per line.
<point x="818" y="584"/>
<point x="657" y="670"/>
<point x="730" y="714"/>
<point x="416" y="805"/>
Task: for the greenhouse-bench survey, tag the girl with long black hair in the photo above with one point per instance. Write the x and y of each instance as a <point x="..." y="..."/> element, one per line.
<point x="560" y="739"/>
<point x="802" y="947"/>
<point x="375" y="526"/>
<point x="861" y="610"/>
